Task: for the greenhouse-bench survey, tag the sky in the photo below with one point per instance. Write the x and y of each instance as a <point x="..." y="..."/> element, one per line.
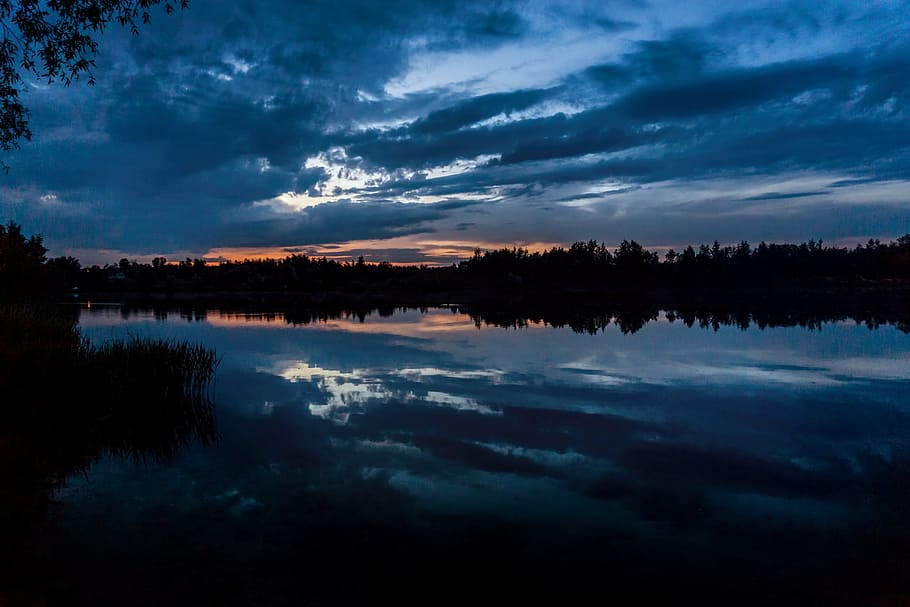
<point x="419" y="131"/>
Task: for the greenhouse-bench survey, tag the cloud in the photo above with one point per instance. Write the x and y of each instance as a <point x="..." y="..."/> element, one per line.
<point x="678" y="58"/>
<point x="476" y="109"/>
<point x="731" y="90"/>
<point x="336" y="221"/>
<point x="549" y="118"/>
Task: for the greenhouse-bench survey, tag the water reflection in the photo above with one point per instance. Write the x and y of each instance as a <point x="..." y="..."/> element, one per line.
<point x="762" y="310"/>
<point x="738" y="462"/>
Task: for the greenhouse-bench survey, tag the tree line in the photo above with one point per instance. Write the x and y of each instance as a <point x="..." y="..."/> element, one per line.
<point x="24" y="267"/>
<point x="592" y="263"/>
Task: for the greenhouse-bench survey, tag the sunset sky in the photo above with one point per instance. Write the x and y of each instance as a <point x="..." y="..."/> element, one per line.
<point x="417" y="131"/>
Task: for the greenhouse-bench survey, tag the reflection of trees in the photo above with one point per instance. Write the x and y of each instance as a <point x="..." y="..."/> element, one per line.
<point x="66" y="403"/>
<point x="705" y="309"/>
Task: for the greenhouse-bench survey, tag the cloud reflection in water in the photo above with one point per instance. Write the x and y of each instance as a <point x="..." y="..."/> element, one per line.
<point x="682" y="436"/>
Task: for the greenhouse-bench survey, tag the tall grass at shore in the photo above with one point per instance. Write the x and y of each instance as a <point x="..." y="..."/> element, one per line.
<point x="157" y="394"/>
<point x="64" y="402"/>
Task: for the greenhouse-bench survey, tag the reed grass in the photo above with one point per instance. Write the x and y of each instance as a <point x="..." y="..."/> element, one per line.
<point x="157" y="394"/>
<point x="141" y="397"/>
<point x="65" y="403"/>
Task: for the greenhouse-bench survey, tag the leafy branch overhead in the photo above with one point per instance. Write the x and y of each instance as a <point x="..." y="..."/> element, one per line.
<point x="56" y="41"/>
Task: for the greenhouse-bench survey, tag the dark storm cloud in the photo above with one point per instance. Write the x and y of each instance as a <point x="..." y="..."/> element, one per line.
<point x="680" y="57"/>
<point x="790" y="20"/>
<point x="556" y="136"/>
<point x="477" y="109"/>
<point x="834" y="144"/>
<point x="201" y="132"/>
<point x="337" y="221"/>
<point x="580" y="142"/>
<point x="733" y="90"/>
<point x="614" y="25"/>
<point x="844" y="183"/>
<point x="492" y="26"/>
<point x="786" y="195"/>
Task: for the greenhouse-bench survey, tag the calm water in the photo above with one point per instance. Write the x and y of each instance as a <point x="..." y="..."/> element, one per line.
<point x="418" y="457"/>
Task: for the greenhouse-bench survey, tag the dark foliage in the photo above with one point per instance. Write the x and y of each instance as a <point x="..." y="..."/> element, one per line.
<point x="592" y="264"/>
<point x="21" y="262"/>
<point x="583" y="266"/>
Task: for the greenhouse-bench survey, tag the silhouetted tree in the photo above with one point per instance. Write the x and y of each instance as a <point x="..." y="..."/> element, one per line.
<point x="633" y="261"/>
<point x="21" y="261"/>
<point x="64" y="272"/>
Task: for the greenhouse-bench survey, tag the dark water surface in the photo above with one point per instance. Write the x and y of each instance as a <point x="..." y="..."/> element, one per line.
<point x="418" y="457"/>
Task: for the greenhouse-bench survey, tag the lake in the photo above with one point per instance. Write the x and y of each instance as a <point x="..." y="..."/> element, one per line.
<point x="433" y="456"/>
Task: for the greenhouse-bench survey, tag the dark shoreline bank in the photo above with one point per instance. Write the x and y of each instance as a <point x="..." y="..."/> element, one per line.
<point x="585" y="310"/>
<point x="498" y="292"/>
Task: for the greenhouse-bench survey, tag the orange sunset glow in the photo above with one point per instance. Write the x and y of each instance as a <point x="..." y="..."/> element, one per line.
<point x="418" y="249"/>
